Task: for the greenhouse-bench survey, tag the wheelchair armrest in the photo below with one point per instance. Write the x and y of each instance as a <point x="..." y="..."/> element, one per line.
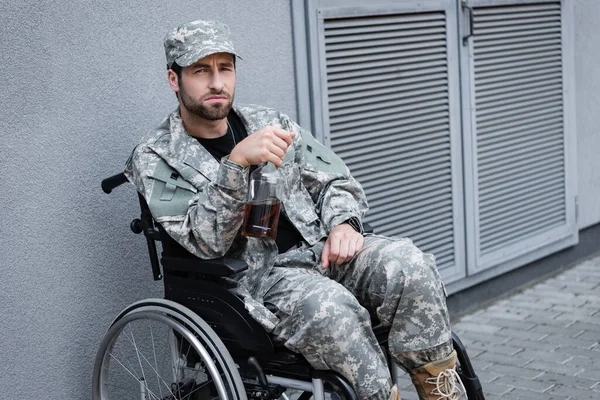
<point x="224" y="266"/>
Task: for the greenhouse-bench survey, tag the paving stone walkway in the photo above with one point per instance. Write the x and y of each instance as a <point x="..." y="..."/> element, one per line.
<point x="540" y="343"/>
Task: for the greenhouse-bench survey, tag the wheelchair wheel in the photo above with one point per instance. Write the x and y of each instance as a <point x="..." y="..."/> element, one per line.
<point x="160" y="350"/>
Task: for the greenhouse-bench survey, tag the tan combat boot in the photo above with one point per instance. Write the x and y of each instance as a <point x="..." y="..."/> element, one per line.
<point x="395" y="394"/>
<point x="438" y="380"/>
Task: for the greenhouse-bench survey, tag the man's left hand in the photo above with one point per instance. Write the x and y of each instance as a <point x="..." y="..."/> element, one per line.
<point x="341" y="245"/>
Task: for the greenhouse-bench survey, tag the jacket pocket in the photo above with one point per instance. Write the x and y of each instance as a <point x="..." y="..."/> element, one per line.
<point x="320" y="157"/>
<point x="171" y="194"/>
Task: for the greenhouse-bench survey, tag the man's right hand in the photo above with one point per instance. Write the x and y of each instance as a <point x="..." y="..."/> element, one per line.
<point x="268" y="144"/>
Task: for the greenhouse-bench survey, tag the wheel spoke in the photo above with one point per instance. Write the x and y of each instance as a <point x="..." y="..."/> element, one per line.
<point x="138" y="353"/>
<point x="157" y="375"/>
<point x="130" y="373"/>
<point x="126" y="359"/>
<point x="124" y="388"/>
<point x="178" y="357"/>
<point x="164" y="353"/>
<point x="202" y="386"/>
<point x="155" y="361"/>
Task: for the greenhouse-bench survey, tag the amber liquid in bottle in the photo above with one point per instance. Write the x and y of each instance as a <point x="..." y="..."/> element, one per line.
<point x="261" y="218"/>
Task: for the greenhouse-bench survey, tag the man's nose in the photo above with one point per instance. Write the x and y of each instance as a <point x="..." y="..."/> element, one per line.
<point x="216" y="83"/>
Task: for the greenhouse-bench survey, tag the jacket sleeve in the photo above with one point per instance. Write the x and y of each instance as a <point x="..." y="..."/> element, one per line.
<point x="204" y="218"/>
<point x="337" y="195"/>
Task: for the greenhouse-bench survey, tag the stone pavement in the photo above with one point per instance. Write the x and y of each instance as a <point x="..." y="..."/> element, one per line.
<point x="539" y="343"/>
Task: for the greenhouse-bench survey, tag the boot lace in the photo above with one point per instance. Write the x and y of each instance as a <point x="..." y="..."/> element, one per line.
<point x="448" y="385"/>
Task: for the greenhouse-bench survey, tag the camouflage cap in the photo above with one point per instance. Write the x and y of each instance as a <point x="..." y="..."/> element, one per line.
<point x="194" y="40"/>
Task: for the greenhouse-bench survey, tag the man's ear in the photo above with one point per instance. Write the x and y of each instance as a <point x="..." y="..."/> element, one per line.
<point x="173" y="80"/>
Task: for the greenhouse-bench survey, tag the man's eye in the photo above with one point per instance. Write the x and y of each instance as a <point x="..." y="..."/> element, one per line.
<point x="201" y="70"/>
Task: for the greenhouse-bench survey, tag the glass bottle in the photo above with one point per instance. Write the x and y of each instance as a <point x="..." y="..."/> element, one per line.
<point x="261" y="212"/>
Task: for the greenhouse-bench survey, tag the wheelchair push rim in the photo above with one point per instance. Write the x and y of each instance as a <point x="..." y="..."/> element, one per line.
<point x="193" y="360"/>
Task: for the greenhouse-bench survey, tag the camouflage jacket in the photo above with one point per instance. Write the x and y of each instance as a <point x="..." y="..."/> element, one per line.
<point x="200" y="201"/>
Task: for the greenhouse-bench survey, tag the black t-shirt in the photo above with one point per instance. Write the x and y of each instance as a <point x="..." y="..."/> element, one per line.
<point x="287" y="234"/>
<point x="222" y="146"/>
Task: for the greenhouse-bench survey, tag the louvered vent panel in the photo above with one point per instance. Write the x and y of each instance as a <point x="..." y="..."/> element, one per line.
<point x="387" y="82"/>
<point x="519" y="119"/>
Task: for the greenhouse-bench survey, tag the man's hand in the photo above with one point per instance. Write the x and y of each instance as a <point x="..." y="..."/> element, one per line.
<point x="341" y="245"/>
<point x="266" y="144"/>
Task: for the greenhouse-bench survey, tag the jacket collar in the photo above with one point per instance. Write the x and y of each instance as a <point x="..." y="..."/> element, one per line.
<point x="186" y="155"/>
<point x="183" y="151"/>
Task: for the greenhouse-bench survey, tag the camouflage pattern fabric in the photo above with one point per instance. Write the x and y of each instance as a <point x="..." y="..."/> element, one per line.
<point x="199" y="201"/>
<point x="326" y="314"/>
<point x="192" y="41"/>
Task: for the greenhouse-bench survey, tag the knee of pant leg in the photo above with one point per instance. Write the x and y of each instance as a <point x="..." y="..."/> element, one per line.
<point x="413" y="271"/>
<point x="412" y="280"/>
<point x="328" y="314"/>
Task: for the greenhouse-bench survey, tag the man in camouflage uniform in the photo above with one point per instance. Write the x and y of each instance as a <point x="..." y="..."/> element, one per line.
<point x="318" y="296"/>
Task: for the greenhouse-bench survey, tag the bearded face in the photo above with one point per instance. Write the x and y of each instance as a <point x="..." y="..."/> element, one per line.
<point x="214" y="105"/>
<point x="206" y="88"/>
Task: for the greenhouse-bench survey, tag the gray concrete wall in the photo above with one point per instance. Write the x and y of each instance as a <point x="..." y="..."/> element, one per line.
<point x="587" y="94"/>
<point x="82" y="81"/>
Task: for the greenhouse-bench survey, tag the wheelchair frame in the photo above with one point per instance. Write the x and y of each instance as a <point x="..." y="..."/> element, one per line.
<point x="197" y="294"/>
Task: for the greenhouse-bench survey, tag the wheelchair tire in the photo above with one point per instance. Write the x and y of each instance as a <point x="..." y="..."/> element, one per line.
<point x="194" y="363"/>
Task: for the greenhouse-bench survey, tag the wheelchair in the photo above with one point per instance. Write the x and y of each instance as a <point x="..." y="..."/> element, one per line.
<point x="200" y="342"/>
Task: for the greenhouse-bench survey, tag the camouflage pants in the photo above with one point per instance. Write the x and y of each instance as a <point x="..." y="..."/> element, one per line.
<point x="326" y="314"/>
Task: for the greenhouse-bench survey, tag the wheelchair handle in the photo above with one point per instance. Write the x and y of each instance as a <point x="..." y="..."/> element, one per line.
<point x="112" y="182"/>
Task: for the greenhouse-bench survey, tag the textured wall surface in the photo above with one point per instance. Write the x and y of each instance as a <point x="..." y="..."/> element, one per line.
<point x="587" y="94"/>
<point x="81" y="83"/>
